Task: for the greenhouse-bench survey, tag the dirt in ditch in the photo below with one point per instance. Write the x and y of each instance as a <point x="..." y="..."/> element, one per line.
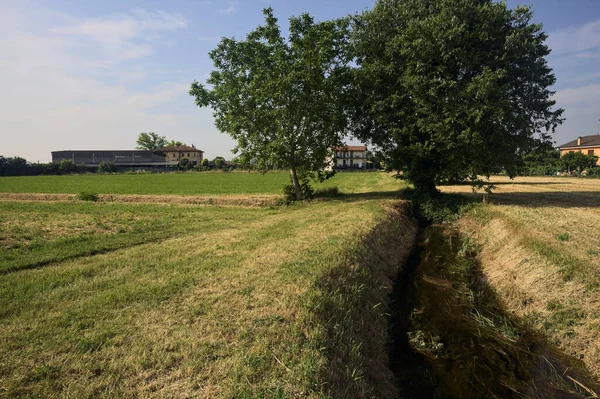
<point x="451" y="338"/>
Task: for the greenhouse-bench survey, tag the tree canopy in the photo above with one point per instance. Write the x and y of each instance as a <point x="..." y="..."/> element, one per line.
<point x="175" y="143"/>
<point x="577" y="161"/>
<point x="282" y="99"/>
<point x="150" y="141"/>
<point x="451" y="89"/>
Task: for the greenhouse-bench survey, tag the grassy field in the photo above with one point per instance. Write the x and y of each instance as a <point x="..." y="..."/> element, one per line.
<point x="216" y="183"/>
<point x="162" y="297"/>
<point x="146" y="300"/>
<point x="541" y="252"/>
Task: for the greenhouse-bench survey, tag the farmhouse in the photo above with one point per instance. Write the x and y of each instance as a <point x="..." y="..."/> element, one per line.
<point x="166" y="156"/>
<point x="350" y="157"/>
<point x="177" y="153"/>
<point x="589" y="145"/>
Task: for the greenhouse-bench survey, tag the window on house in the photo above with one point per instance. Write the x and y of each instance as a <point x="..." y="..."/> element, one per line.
<point x="590" y="152"/>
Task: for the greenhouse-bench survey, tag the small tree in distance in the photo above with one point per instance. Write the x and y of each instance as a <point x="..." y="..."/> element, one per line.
<point x="219" y="162"/>
<point x="282" y="99"/>
<point x="150" y="141"/>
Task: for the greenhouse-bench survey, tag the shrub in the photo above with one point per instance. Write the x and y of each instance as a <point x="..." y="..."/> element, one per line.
<point x="185" y="164"/>
<point x="595" y="172"/>
<point x="289" y="191"/>
<point x="66" y="166"/>
<point x="107" y="167"/>
<point x="88" y="196"/>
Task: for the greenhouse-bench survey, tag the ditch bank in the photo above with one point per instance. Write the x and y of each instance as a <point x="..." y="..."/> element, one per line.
<point x="450" y="335"/>
<point x="349" y="304"/>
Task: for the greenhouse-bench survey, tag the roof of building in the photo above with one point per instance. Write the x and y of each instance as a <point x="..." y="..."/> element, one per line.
<point x="586" y="141"/>
<point x="181" y="148"/>
<point x="352" y="148"/>
<point x="128" y="151"/>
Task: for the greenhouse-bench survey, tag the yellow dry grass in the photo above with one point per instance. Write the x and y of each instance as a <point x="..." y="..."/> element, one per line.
<point x="221" y="200"/>
<point x="541" y="253"/>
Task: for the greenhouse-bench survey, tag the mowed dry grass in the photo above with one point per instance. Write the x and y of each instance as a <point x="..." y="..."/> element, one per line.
<point x="231" y="310"/>
<point x="540" y="242"/>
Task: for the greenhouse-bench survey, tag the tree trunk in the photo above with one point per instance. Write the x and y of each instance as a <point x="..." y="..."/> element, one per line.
<point x="425" y="187"/>
<point x="296" y="183"/>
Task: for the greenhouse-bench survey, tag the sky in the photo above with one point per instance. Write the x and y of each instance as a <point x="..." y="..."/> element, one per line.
<point x="94" y="74"/>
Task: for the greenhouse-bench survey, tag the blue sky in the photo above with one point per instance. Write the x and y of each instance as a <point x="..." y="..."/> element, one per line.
<point x="93" y="74"/>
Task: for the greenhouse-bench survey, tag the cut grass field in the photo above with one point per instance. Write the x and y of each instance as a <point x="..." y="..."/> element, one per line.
<point x="146" y="300"/>
<point x="205" y="183"/>
<point x="541" y="253"/>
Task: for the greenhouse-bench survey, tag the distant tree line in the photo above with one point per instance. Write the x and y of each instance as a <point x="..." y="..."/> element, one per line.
<point x="18" y="166"/>
<point x="546" y="161"/>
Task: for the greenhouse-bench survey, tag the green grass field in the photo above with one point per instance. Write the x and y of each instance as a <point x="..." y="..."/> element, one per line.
<point x="113" y="300"/>
<point x="189" y="183"/>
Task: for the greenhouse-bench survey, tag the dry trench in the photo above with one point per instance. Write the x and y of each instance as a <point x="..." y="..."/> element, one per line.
<point x="449" y="336"/>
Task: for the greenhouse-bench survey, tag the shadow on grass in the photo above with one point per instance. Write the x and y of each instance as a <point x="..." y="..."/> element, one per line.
<point x="561" y="199"/>
<point x="504" y="183"/>
<point x="371" y="195"/>
<point x="452" y="338"/>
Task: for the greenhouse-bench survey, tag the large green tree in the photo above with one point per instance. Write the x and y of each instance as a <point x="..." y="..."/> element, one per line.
<point x="150" y="141"/>
<point x="282" y="99"/>
<point x="452" y="89"/>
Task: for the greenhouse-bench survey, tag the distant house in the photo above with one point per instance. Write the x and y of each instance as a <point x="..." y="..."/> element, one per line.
<point x="350" y="157"/>
<point x="589" y="145"/>
<point x="177" y="153"/>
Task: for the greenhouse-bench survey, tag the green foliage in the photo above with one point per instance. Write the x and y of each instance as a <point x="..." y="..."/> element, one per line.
<point x="577" y="161"/>
<point x="66" y="166"/>
<point x="451" y="89"/>
<point x="13" y="166"/>
<point x="174" y="143"/>
<point x="107" y="167"/>
<point x="282" y="99"/>
<point x="542" y="160"/>
<point x="204" y="162"/>
<point x="219" y="162"/>
<point x="150" y="141"/>
<point x="436" y="209"/>
<point x="88" y="196"/>
<point x="185" y="164"/>
<point x="594" y="172"/>
<point x="290" y="193"/>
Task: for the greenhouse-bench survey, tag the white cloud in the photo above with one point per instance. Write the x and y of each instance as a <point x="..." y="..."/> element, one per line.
<point x="123" y="36"/>
<point x="581" y="99"/>
<point x="228" y="10"/>
<point x="120" y="28"/>
<point x="575" y="39"/>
